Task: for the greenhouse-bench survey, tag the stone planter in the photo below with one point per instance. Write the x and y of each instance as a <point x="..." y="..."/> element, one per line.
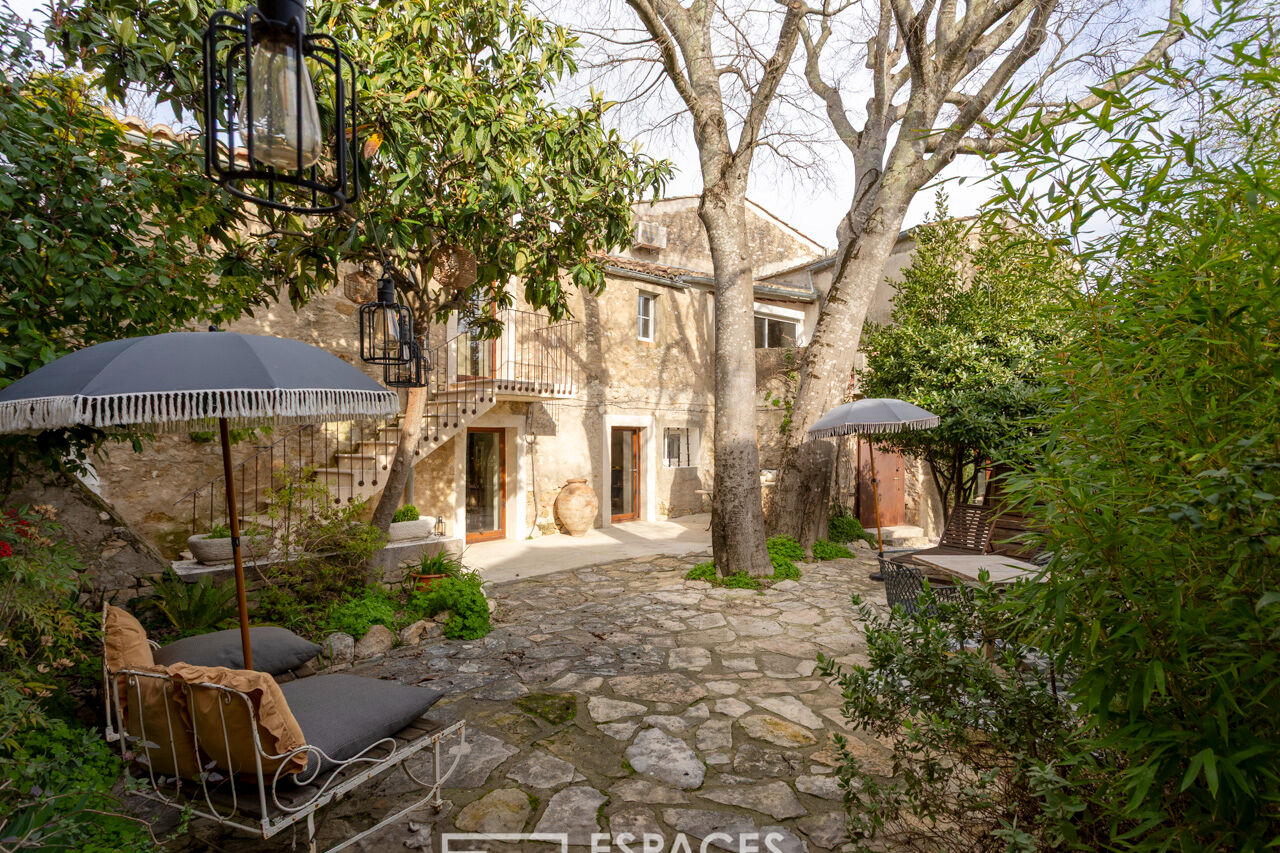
<point x="213" y="551"/>
<point x="576" y="506"/>
<point x="422" y="528"/>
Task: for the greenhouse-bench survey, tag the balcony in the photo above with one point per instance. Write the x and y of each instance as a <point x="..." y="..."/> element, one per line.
<point x="533" y="359"/>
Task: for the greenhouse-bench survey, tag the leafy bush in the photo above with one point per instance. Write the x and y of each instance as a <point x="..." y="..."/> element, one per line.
<point x="405" y="513"/>
<point x="191" y="608"/>
<point x="326" y="546"/>
<point x="703" y="572"/>
<point x="785" y="547"/>
<point x="787" y="572"/>
<point x="441" y="563"/>
<point x="55" y="793"/>
<point x="55" y="777"/>
<point x="740" y="580"/>
<point x="355" y="616"/>
<point x="970" y="771"/>
<point x="824" y="549"/>
<point x="462" y="597"/>
<point x="843" y="527"/>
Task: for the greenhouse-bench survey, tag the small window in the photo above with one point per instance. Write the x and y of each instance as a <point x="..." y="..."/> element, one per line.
<point x="774" y="333"/>
<point x="680" y="447"/>
<point x="644" y="316"/>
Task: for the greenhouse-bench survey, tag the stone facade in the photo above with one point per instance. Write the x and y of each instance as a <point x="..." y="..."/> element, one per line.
<point x="657" y="385"/>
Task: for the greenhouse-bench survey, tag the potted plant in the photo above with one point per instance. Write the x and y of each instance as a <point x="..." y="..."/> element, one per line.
<point x="407" y="524"/>
<point x="433" y="567"/>
<point x="215" y="546"/>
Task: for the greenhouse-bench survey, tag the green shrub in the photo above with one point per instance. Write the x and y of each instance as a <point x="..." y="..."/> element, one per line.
<point x="703" y="572"/>
<point x="788" y="572"/>
<point x="462" y="597"/>
<point x="355" y="616"/>
<point x="441" y="563"/>
<point x="191" y="608"/>
<point x="56" y="785"/>
<point x="843" y="528"/>
<point x="405" y="513"/>
<point x="968" y="773"/>
<point x="785" y="547"/>
<point x="740" y="580"/>
<point x="827" y="550"/>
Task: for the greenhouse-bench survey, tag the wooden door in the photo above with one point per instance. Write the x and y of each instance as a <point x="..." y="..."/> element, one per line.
<point x="890" y="471"/>
<point x="624" y="474"/>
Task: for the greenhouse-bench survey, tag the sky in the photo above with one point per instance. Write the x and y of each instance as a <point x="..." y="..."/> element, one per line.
<point x="812" y="205"/>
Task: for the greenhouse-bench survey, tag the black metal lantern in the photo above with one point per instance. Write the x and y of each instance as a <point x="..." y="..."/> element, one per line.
<point x="386" y="328"/>
<point x="439" y="528"/>
<point x="411" y="374"/>
<point x="259" y="97"/>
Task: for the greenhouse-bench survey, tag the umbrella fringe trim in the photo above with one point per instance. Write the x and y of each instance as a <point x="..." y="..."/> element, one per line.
<point x="172" y="409"/>
<point x="873" y="429"/>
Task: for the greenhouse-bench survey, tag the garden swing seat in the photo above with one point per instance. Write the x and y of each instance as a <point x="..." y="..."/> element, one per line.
<point x="237" y="748"/>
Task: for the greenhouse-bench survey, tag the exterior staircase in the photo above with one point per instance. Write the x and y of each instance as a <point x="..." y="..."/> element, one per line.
<point x="533" y="359"/>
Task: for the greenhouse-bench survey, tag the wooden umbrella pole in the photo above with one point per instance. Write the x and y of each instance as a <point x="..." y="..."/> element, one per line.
<point x="233" y="522"/>
<point x="875" y="496"/>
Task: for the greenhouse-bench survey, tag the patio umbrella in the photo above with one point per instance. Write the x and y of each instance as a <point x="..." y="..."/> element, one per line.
<point x="185" y="378"/>
<point x="873" y="416"/>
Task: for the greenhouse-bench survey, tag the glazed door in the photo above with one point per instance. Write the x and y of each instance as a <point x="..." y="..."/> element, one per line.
<point x="624" y="474"/>
<point x="486" y="487"/>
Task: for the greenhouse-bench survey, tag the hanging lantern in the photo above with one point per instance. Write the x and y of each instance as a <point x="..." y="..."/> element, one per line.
<point x="386" y="327"/>
<point x="259" y="98"/>
<point x="411" y="374"/>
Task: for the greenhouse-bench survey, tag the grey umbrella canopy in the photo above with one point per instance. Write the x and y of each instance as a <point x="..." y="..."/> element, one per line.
<point x="182" y="377"/>
<point x="873" y="416"/>
<point x="192" y="377"/>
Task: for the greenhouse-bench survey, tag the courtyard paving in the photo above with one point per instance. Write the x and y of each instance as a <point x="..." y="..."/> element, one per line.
<point x="622" y="698"/>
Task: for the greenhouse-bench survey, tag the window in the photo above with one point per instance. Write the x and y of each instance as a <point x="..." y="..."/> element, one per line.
<point x="680" y="447"/>
<point x="772" y="332"/>
<point x="645" y="315"/>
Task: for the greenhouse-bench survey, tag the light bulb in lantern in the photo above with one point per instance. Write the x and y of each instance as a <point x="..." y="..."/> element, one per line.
<point x="389" y="318"/>
<point x="282" y="123"/>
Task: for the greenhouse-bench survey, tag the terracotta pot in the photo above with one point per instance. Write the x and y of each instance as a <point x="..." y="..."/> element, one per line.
<point x="212" y="551"/>
<point x="576" y="506"/>
<point x="422" y="583"/>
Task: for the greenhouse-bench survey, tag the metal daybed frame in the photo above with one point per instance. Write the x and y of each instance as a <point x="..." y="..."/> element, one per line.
<point x="252" y="799"/>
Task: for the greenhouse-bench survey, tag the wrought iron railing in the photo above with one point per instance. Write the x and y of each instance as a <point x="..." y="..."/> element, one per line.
<point x="532" y="358"/>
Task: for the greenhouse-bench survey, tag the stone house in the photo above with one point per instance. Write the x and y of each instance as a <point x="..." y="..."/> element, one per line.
<point x="622" y="396"/>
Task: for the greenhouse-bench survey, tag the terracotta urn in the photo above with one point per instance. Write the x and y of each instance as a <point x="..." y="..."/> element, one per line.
<point x="576" y="506"/>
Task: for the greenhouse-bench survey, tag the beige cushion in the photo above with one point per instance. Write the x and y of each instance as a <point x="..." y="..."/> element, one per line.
<point x="160" y="735"/>
<point x="125" y="642"/>
<point x="278" y="731"/>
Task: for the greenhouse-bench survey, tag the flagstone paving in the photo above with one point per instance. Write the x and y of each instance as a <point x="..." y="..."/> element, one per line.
<point x="694" y="710"/>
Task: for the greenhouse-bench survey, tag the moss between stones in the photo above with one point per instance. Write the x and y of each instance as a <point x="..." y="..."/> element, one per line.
<point x="553" y="708"/>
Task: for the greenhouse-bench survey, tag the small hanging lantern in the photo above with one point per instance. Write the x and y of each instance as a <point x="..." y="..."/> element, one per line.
<point x="412" y="373"/>
<point x="259" y="97"/>
<point x="386" y="327"/>
<point x="439" y="529"/>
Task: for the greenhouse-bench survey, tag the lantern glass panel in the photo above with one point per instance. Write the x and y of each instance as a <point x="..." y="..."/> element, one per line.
<point x="285" y="121"/>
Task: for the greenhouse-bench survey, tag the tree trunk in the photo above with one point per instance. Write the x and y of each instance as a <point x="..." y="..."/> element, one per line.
<point x="402" y="465"/>
<point x="737" y="520"/>
<point x="801" y="497"/>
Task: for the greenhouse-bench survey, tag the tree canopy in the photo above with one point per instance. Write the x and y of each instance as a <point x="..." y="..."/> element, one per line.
<point x="461" y="146"/>
<point x="103" y="235"/>
<point x="976" y="320"/>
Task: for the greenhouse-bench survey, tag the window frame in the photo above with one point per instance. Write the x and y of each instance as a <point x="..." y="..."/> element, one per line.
<point x="692" y="447"/>
<point x="652" y="317"/>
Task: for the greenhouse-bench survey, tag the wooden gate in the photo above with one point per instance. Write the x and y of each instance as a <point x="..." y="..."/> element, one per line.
<point x="893" y="486"/>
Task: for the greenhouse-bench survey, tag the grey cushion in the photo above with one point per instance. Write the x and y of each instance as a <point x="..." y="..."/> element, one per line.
<point x="275" y="650"/>
<point x="346" y="714"/>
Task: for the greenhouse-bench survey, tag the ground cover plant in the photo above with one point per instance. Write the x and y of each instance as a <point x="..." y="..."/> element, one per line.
<point x="56" y="774"/>
<point x="824" y="549"/>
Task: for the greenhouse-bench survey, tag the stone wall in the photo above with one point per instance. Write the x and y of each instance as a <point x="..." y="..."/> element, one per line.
<point x="117" y="561"/>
